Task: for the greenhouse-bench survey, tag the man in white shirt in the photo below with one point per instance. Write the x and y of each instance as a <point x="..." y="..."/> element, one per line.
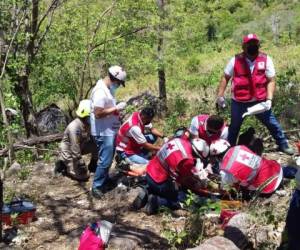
<point x="252" y="89"/>
<point x="105" y="123"/>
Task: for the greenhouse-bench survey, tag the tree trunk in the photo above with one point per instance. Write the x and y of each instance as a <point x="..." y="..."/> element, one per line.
<point x="160" y="56"/>
<point x="26" y="105"/>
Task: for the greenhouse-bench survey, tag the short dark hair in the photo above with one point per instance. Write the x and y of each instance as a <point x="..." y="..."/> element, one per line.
<point x="215" y="122"/>
<point x="148" y="112"/>
<point x="113" y="79"/>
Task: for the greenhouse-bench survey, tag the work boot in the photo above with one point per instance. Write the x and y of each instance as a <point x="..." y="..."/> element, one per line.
<point x="97" y="193"/>
<point x="92" y="166"/>
<point x="60" y="168"/>
<point x="141" y="199"/>
<point x="152" y="205"/>
<point x="287" y="150"/>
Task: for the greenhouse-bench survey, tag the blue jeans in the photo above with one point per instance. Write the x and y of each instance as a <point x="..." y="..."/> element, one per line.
<point x="166" y="193"/>
<point x="106" y="150"/>
<point x="267" y="118"/>
<point x="293" y="221"/>
<point x="143" y="157"/>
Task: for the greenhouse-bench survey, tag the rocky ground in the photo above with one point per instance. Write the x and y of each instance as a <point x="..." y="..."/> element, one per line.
<point x="64" y="207"/>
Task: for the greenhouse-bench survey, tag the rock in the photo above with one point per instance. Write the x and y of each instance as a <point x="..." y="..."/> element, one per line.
<point x="51" y="120"/>
<point x="216" y="243"/>
<point x="237" y="230"/>
<point x="121" y="243"/>
<point x="140" y="101"/>
<point x="13" y="169"/>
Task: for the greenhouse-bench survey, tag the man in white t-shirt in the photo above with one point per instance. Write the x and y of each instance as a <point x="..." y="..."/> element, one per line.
<point x="253" y="84"/>
<point x="133" y="143"/>
<point x="105" y="123"/>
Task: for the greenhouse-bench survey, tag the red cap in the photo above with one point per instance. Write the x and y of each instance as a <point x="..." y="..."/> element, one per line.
<point x="250" y="37"/>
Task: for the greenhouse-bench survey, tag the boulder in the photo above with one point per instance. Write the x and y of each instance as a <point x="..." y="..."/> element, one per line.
<point x="51" y="120"/>
<point x="120" y="243"/>
<point x="237" y="230"/>
<point x="13" y="169"/>
<point x="216" y="243"/>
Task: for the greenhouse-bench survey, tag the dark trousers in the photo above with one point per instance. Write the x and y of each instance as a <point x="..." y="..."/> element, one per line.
<point x="166" y="193"/>
<point x="293" y="222"/>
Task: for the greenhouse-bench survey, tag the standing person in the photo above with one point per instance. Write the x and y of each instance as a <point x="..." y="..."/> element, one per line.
<point x="105" y="123"/>
<point x="208" y="128"/>
<point x="76" y="142"/>
<point x="293" y="217"/>
<point x="132" y="142"/>
<point x="253" y="82"/>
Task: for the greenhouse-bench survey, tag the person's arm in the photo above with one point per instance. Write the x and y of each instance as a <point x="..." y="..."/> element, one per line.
<point x="270" y="74"/>
<point x="222" y="85"/>
<point x="102" y="112"/>
<point x="194" y="127"/>
<point x="150" y="147"/>
<point x="271" y="88"/>
<point x="136" y="133"/>
<point x="157" y="133"/>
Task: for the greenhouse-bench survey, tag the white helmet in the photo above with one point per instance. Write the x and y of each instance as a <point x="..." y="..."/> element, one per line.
<point x="200" y="147"/>
<point x="118" y="73"/>
<point x="218" y="147"/>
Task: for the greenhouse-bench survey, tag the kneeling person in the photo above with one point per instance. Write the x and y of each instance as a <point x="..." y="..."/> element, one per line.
<point x="208" y="128"/>
<point x="174" y="163"/>
<point x="239" y="166"/>
<point x="132" y="142"/>
<point x="76" y="142"/>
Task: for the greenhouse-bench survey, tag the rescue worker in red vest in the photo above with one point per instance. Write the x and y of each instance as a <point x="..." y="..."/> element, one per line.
<point x="174" y="163"/>
<point x="133" y="144"/>
<point x="239" y="166"/>
<point x="76" y="142"/>
<point x="253" y="82"/>
<point x="208" y="128"/>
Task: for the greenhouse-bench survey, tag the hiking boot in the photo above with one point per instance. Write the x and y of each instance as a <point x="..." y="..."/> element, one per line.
<point x="141" y="199"/>
<point x="287" y="150"/>
<point x="97" y="193"/>
<point x="92" y="166"/>
<point x="152" y="205"/>
<point x="60" y="168"/>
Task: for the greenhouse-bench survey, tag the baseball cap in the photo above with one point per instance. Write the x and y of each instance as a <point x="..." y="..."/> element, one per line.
<point x="249" y="38"/>
<point x="119" y="73"/>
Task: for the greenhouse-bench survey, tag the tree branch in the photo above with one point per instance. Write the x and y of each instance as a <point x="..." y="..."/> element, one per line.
<point x="118" y="37"/>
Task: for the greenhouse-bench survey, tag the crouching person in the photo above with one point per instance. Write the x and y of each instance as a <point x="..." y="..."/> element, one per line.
<point x="133" y="144"/>
<point x="76" y="142"/>
<point x="240" y="167"/>
<point x="173" y="165"/>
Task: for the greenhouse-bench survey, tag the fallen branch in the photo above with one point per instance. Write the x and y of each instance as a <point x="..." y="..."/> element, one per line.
<point x="33" y="141"/>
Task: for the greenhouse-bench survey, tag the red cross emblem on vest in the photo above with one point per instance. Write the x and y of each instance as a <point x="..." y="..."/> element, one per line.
<point x="170" y="146"/>
<point x="244" y="157"/>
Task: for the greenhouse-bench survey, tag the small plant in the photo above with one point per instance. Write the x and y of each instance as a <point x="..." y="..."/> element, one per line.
<point x="24" y="173"/>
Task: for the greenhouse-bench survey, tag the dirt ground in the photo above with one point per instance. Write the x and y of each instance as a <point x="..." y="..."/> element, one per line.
<point x="65" y="207"/>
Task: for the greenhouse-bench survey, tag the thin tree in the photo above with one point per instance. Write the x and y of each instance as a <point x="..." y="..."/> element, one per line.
<point x="160" y="55"/>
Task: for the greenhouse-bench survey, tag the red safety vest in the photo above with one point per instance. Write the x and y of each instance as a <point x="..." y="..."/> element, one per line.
<point x="251" y="170"/>
<point x="202" y="130"/>
<point x="126" y="143"/>
<point x="168" y="160"/>
<point x="246" y="85"/>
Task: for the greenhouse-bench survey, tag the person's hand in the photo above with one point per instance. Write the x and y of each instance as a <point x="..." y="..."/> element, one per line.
<point x="268" y="104"/>
<point x="121" y="105"/>
<point x="165" y="139"/>
<point x="221" y="102"/>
